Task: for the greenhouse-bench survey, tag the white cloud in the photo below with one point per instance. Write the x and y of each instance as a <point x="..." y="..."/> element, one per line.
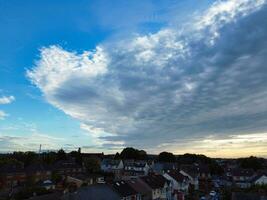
<point x="28" y="143"/>
<point x="168" y="85"/>
<point x="7" y="99"/>
<point x="223" y="12"/>
<point x="226" y="146"/>
<point x="58" y="65"/>
<point x="3" y="115"/>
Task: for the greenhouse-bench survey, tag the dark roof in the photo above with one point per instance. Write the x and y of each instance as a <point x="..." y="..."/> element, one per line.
<point x="247" y="196"/>
<point x="242" y="172"/>
<point x="137" y="163"/>
<point x="154" y="181"/>
<point x="139" y="186"/>
<point x="6" y="169"/>
<point x="178" y="176"/>
<point x="94" y="192"/>
<point x="37" y="167"/>
<point x="111" y="162"/>
<point x="258" y="176"/>
<point x="123" y="189"/>
<point x="66" y="164"/>
<point x="190" y="170"/>
<point x="203" y="169"/>
<point x="54" y="196"/>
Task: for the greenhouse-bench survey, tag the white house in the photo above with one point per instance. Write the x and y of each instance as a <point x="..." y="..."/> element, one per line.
<point x="109" y="165"/>
<point x="179" y="181"/>
<point x="260" y="180"/>
<point x="192" y="176"/>
<point x="135" y="168"/>
<point x="159" y="186"/>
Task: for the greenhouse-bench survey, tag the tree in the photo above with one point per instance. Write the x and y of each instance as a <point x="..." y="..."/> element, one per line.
<point x="117" y="156"/>
<point x="77" y="155"/>
<point x="61" y="155"/>
<point x="252" y="163"/>
<point x="49" y="158"/>
<point x="131" y="153"/>
<point x="27" y="158"/>
<point x="56" y="177"/>
<point x="166" y="157"/>
<point x="92" y="165"/>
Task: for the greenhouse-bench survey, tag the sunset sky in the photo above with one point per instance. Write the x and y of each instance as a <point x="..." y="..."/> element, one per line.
<point x="184" y="76"/>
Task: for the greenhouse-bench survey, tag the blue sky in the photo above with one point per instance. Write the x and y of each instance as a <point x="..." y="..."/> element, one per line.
<point x="181" y="76"/>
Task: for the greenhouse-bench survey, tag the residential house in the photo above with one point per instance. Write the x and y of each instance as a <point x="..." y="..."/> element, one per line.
<point x="260" y="179"/>
<point x="160" y="187"/>
<point x="125" y="191"/>
<point x="192" y="173"/>
<point x="180" y="183"/>
<point x="204" y="179"/>
<point x="113" y="166"/>
<point x="248" y="196"/>
<point x="85" y="179"/>
<point x="142" y="188"/>
<point x="68" y="168"/>
<point x="12" y="175"/>
<point x="38" y="172"/>
<point x="93" y="192"/>
<point x="134" y="168"/>
<point x="163" y="167"/>
<point x="242" y="177"/>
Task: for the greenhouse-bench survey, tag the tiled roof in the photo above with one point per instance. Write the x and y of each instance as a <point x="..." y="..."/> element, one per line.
<point x="139" y="186"/>
<point x="154" y="181"/>
<point x="132" y="163"/>
<point x="178" y="176"/>
<point x="94" y="192"/>
<point x="111" y="162"/>
<point x="248" y="196"/>
<point x="123" y="189"/>
<point x="243" y="172"/>
<point x="54" y="196"/>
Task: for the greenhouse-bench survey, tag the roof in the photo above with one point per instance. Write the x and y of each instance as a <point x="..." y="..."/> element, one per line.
<point x="154" y="181"/>
<point x="111" y="162"/>
<point x="247" y="196"/>
<point x="132" y="163"/>
<point x="66" y="164"/>
<point x="139" y="186"/>
<point x="54" y="196"/>
<point x="37" y="167"/>
<point x="123" y="189"/>
<point x="6" y="169"/>
<point x="94" y="192"/>
<point x="163" y="166"/>
<point x="258" y="177"/>
<point x="243" y="172"/>
<point x="203" y="169"/>
<point x="191" y="170"/>
<point x="178" y="176"/>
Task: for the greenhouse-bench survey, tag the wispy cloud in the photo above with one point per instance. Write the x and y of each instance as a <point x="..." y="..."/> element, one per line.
<point x="3" y="115"/>
<point x="28" y="143"/>
<point x="7" y="99"/>
<point x="206" y="78"/>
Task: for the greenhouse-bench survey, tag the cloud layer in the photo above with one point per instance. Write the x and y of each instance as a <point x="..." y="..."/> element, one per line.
<point x="7" y="99"/>
<point x="206" y="77"/>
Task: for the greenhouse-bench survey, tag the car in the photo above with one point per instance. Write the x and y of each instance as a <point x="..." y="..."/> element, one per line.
<point x="212" y="193"/>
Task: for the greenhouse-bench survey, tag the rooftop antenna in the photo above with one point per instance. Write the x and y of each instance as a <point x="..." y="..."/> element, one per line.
<point x="40" y="148"/>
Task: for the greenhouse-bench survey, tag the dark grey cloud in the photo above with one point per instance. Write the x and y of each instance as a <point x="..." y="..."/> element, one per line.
<point x="208" y="78"/>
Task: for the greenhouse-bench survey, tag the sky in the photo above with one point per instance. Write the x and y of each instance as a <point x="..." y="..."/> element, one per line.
<point x="183" y="76"/>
